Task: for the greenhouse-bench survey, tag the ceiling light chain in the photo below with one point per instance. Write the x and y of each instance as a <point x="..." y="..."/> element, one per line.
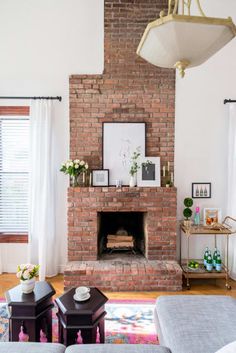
<point x="200" y="8"/>
<point x="173" y="6"/>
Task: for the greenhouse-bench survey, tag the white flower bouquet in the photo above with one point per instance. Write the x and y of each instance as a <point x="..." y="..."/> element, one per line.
<point x="74" y="167"/>
<point x="27" y="271"/>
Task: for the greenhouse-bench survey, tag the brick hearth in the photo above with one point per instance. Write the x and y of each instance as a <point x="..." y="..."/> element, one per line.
<point x="129" y="90"/>
<point x="125" y="274"/>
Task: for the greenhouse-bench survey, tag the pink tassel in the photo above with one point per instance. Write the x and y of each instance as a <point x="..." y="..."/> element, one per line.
<point x="23" y="337"/>
<point x="79" y="338"/>
<point x="43" y="337"/>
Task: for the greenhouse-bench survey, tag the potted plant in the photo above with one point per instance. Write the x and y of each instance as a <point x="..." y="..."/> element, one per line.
<point x="169" y="184"/>
<point x="27" y="274"/>
<point x="187" y="212"/>
<point x="74" y="168"/>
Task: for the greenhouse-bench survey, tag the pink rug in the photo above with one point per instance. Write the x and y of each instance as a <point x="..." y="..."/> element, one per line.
<point x="127" y="321"/>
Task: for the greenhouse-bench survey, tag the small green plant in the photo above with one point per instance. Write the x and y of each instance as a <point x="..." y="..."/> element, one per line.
<point x="134" y="163"/>
<point x="169" y="183"/>
<point x="187" y="212"/>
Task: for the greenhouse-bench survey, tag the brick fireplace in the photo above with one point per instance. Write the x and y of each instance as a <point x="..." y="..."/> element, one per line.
<point x="129" y="90"/>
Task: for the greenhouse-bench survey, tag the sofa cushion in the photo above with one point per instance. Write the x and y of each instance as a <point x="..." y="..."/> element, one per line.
<point x="117" y="348"/>
<point x="30" y="347"/>
<point x="196" y="323"/>
<point x="229" y="348"/>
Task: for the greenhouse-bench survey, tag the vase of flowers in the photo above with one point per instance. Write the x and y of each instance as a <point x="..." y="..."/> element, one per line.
<point x="27" y="274"/>
<point x="74" y="168"/>
<point x="134" y="168"/>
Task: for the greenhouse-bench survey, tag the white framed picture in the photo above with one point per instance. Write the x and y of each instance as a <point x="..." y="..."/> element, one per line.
<point x="120" y="141"/>
<point x="211" y="216"/>
<point x="149" y="173"/>
<point x="100" y="177"/>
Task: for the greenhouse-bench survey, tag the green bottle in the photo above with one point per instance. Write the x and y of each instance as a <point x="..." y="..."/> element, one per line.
<point x="209" y="265"/>
<point x="215" y="257"/>
<point x="218" y="263"/>
<point x="206" y="256"/>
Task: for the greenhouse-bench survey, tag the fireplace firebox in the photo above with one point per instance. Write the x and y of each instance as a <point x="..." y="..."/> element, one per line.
<point x="121" y="232"/>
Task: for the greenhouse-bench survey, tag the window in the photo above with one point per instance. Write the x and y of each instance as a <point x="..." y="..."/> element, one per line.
<point x="14" y="170"/>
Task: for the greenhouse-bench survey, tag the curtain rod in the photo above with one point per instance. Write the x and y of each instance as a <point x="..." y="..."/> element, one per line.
<point x="52" y="98"/>
<point x="229" y="101"/>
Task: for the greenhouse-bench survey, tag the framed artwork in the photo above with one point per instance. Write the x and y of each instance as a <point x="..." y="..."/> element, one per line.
<point x="100" y="177"/>
<point x="201" y="190"/>
<point x="211" y="216"/>
<point x="149" y="173"/>
<point x="120" y="141"/>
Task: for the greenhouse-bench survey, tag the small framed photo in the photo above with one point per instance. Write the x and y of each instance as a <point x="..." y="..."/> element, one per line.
<point x="100" y="177"/>
<point x="211" y="216"/>
<point x="201" y="190"/>
<point x="149" y="172"/>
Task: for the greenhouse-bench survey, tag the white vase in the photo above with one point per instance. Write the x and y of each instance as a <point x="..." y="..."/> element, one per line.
<point x="132" y="181"/>
<point x="27" y="286"/>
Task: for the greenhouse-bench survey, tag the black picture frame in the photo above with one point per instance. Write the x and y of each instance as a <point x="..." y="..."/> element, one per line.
<point x="100" y="171"/>
<point x="201" y="190"/>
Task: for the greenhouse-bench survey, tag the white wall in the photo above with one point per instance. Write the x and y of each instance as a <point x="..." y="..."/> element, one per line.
<point x="42" y="43"/>
<point x="201" y="120"/>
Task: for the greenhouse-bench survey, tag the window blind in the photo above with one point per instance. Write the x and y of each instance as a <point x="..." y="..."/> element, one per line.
<point x="14" y="168"/>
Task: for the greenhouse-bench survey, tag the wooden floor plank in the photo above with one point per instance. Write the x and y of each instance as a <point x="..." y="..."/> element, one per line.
<point x="213" y="287"/>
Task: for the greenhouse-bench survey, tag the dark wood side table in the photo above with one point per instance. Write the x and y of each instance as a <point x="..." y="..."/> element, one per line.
<point x="86" y="317"/>
<point x="33" y="311"/>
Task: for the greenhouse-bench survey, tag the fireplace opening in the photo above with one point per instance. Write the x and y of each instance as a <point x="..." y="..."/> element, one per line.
<point x="121" y="232"/>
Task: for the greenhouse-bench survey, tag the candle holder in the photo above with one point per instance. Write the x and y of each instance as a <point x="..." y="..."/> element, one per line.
<point x="167" y="176"/>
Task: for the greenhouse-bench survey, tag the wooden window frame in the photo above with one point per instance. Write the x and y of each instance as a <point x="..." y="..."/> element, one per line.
<point x="14" y="111"/>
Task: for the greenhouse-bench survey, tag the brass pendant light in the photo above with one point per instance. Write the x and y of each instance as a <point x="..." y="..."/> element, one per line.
<point x="180" y="40"/>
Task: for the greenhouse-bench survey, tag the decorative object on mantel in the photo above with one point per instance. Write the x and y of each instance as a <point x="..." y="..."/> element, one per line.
<point x="187" y="212"/>
<point x="27" y="274"/>
<point x="75" y="168"/>
<point x="179" y="40"/>
<point x="167" y="176"/>
<point x="100" y="177"/>
<point x="118" y="183"/>
<point x="134" y="168"/>
<point x="120" y="141"/>
<point x="149" y="173"/>
<point x="201" y="190"/>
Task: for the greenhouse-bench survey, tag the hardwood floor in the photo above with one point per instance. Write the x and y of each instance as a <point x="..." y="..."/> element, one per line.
<point x="213" y="287"/>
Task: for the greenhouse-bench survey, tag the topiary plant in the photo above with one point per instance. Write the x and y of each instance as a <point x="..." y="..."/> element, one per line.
<point x="187" y="212"/>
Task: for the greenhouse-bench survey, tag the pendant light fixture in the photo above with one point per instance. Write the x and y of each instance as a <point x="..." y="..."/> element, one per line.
<point x="179" y="40"/>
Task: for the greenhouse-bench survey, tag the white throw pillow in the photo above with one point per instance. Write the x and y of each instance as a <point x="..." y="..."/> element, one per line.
<point x="229" y="348"/>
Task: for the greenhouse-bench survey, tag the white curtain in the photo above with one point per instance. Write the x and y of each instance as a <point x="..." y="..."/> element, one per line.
<point x="231" y="199"/>
<point x="42" y="237"/>
<point x="1" y="259"/>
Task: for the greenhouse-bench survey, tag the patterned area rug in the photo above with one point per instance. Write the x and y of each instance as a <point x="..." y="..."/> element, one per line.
<point x="127" y="321"/>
